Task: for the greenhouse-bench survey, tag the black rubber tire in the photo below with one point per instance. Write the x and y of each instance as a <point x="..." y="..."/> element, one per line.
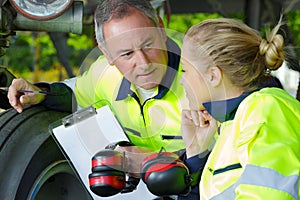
<point x="31" y="164"/>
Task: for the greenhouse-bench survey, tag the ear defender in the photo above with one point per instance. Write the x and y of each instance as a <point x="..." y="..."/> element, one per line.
<point x="165" y="174"/>
<point x="108" y="175"/>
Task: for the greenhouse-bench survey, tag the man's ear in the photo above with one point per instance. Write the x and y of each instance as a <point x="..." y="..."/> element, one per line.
<point x="106" y="54"/>
<point x="215" y="76"/>
<point x="162" y="28"/>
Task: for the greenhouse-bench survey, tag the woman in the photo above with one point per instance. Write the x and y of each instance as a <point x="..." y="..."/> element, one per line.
<point x="257" y="151"/>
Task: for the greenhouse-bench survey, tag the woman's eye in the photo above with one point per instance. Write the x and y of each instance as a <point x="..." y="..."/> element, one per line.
<point x="182" y="70"/>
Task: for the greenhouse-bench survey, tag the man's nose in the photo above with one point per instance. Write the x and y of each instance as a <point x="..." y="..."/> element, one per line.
<point x="142" y="58"/>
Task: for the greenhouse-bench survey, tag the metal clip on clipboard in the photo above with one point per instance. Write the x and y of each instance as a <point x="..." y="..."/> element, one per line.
<point x="79" y="116"/>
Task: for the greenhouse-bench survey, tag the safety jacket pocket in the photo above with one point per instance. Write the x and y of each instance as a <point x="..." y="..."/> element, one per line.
<point x="225" y="169"/>
<point x="171" y="137"/>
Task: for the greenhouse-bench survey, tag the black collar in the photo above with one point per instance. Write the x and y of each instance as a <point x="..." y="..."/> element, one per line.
<point x="225" y="110"/>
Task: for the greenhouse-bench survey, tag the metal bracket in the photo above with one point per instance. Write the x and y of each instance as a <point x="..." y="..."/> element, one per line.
<point x="79" y="116"/>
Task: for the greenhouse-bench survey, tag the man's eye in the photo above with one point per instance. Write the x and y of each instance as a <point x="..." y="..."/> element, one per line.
<point x="126" y="54"/>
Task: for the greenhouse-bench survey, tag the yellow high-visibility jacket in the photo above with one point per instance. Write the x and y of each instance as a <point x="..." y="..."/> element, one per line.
<point x="257" y="154"/>
<point x="153" y="124"/>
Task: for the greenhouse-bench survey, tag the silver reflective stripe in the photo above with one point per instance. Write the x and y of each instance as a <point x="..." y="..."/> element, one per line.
<point x="71" y="83"/>
<point x="265" y="177"/>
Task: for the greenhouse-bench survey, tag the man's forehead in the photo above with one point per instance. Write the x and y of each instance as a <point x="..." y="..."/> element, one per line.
<point x="136" y="21"/>
<point x="131" y="40"/>
<point x="131" y="33"/>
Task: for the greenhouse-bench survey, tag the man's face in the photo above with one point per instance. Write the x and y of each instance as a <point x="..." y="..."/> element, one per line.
<point x="137" y="48"/>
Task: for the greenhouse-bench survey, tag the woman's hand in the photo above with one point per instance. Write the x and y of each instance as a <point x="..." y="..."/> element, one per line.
<point x="198" y="129"/>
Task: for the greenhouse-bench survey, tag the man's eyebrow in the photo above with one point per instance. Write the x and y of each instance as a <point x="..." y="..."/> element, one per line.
<point x="147" y="40"/>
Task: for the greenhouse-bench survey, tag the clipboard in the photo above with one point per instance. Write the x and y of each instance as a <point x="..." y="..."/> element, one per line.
<point x="82" y="134"/>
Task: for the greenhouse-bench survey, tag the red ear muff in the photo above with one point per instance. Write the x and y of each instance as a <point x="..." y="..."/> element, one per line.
<point x="108" y="173"/>
<point x="165" y="174"/>
<point x="107" y="183"/>
<point x="108" y="160"/>
<point x="163" y="157"/>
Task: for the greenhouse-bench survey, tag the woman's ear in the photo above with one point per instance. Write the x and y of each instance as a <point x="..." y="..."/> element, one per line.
<point x="215" y="76"/>
<point x="106" y="54"/>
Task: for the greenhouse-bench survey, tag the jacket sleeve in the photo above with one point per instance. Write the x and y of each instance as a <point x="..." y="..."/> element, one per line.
<point x="195" y="164"/>
<point x="268" y="148"/>
<point x="61" y="98"/>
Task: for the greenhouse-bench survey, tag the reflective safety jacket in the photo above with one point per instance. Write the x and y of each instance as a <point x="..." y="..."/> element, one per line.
<point x="153" y="124"/>
<point x="257" y="154"/>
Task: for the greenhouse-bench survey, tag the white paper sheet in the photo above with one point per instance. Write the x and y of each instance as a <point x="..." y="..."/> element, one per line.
<point x="82" y="140"/>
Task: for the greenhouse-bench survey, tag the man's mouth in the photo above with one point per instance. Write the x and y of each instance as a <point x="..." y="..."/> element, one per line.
<point x="147" y="73"/>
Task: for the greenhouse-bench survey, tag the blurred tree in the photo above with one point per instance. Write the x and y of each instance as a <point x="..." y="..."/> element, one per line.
<point x="19" y="57"/>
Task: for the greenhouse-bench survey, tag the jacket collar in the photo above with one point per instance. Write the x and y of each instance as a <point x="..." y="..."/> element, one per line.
<point x="224" y="110"/>
<point x="173" y="64"/>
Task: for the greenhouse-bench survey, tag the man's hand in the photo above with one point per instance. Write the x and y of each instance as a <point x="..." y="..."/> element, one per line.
<point x="17" y="100"/>
<point x="135" y="156"/>
<point x="198" y="129"/>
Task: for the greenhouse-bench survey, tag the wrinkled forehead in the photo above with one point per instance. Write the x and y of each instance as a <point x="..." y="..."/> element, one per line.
<point x="132" y="34"/>
<point x="134" y="39"/>
<point x="135" y="21"/>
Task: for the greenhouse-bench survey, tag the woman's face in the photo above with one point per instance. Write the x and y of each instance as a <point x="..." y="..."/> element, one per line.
<point x="194" y="78"/>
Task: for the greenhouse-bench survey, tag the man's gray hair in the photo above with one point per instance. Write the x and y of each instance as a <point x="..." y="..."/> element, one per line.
<point x="108" y="9"/>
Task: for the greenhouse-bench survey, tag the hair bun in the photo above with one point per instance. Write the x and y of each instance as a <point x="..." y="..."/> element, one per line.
<point x="273" y="51"/>
<point x="263" y="47"/>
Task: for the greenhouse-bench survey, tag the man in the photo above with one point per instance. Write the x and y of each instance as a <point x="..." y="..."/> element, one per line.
<point x="140" y="82"/>
<point x="139" y="79"/>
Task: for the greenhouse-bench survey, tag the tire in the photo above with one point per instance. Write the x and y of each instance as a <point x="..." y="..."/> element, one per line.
<point x="31" y="164"/>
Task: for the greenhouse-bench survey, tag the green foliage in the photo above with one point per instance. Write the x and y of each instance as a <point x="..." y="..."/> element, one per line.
<point x="19" y="59"/>
<point x="293" y="19"/>
<point x="20" y="56"/>
<point x="80" y="46"/>
<point x="181" y="22"/>
<point x="78" y="42"/>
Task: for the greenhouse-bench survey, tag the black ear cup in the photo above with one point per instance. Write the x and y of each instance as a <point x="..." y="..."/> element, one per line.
<point x="108" y="173"/>
<point x="165" y="174"/>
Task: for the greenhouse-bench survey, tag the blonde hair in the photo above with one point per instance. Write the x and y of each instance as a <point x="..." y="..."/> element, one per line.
<point x="238" y="50"/>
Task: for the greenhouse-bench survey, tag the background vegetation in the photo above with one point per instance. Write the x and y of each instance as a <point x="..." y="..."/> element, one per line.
<point x="33" y="56"/>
